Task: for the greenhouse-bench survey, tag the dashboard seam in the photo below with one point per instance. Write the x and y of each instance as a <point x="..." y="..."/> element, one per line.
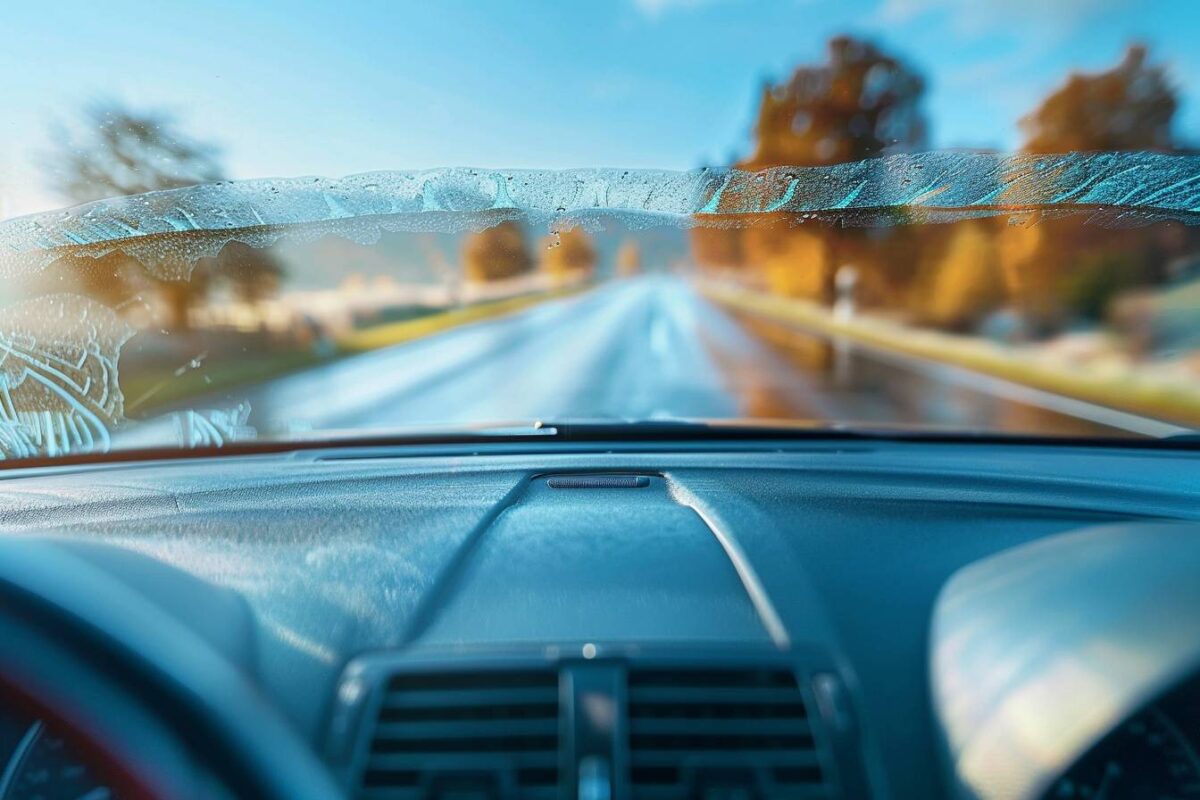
<point x="757" y="593"/>
<point x="433" y="600"/>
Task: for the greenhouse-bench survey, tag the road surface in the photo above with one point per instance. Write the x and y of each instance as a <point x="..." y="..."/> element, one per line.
<point x="653" y="347"/>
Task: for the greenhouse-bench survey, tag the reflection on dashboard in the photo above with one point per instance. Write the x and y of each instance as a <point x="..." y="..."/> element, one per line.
<point x="40" y="765"/>
<point x="1151" y="756"/>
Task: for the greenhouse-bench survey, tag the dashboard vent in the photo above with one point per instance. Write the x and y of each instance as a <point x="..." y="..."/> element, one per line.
<point x="721" y="732"/>
<point x="476" y="735"/>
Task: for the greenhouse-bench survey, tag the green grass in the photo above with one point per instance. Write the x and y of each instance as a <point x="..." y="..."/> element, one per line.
<point x="1139" y="394"/>
<point x="150" y="390"/>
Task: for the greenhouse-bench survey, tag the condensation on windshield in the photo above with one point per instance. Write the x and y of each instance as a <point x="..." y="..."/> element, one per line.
<point x="59" y="353"/>
<point x="169" y="231"/>
<point x="58" y="376"/>
<point x="214" y="427"/>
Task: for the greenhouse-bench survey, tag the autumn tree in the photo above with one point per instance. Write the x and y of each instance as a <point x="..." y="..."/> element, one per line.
<point x="1057" y="268"/>
<point x="116" y="151"/>
<point x="497" y="253"/>
<point x="629" y="259"/>
<point x="716" y="249"/>
<point x="253" y="275"/>
<point x="962" y="283"/>
<point x="1129" y="107"/>
<point x="569" y="253"/>
<point x="861" y="103"/>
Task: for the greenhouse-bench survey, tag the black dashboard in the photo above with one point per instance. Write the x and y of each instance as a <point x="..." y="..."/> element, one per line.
<point x="599" y="620"/>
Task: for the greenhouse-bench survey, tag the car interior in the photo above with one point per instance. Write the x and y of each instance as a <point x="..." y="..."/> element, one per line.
<point x="654" y="617"/>
<point x="610" y="400"/>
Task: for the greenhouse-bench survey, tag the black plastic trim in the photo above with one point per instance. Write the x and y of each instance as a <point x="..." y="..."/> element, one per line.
<point x="364" y="684"/>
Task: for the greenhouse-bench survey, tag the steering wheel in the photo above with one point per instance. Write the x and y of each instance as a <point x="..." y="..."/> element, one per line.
<point x="152" y="699"/>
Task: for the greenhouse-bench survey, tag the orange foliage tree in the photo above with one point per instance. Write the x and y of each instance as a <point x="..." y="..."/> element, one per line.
<point x="860" y="103"/>
<point x="496" y="253"/>
<point x="1057" y="269"/>
<point x="568" y="254"/>
<point x="1129" y="107"/>
<point x="629" y="259"/>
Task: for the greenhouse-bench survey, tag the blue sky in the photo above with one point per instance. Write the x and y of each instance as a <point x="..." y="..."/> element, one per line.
<point x="290" y="87"/>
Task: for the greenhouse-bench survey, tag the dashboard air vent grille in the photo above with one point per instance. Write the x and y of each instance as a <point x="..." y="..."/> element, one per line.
<point x="466" y="735"/>
<point x="746" y="732"/>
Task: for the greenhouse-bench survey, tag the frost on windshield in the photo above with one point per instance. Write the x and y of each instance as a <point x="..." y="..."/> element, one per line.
<point x="58" y="376"/>
<point x="59" y="353"/>
<point x="168" y="231"/>
<point x="214" y="427"/>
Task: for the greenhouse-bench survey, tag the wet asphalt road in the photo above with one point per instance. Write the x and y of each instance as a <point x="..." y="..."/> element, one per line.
<point x="648" y="348"/>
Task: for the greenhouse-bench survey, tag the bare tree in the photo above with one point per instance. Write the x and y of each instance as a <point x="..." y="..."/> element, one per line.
<point x="118" y="151"/>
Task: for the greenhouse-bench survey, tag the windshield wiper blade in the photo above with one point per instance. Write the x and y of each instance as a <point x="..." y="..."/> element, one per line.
<point x="777" y="430"/>
<point x="605" y="433"/>
<point x="694" y="430"/>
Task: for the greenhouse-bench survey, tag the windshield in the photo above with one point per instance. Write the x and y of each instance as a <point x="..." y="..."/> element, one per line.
<point x="879" y="215"/>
